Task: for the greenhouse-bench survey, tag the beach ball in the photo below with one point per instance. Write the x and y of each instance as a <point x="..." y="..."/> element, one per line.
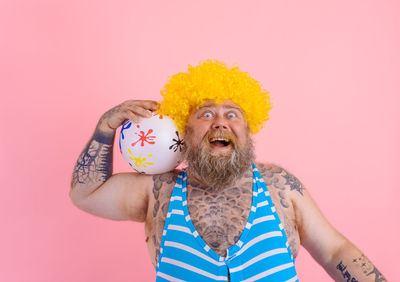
<point x="153" y="145"/>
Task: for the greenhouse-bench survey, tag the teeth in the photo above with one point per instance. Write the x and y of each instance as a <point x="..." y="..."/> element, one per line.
<point x="218" y="139"/>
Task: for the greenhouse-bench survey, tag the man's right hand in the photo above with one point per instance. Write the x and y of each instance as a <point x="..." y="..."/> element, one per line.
<point x="130" y="109"/>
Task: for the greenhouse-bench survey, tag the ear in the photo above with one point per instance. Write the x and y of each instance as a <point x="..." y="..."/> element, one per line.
<point x="248" y="128"/>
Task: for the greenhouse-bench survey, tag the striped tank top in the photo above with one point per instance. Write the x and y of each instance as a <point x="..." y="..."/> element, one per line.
<point x="262" y="252"/>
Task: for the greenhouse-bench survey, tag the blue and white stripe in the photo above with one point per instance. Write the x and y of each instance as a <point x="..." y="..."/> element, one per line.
<point x="261" y="253"/>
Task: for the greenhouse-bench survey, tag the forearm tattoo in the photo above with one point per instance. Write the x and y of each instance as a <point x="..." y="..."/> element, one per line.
<point x="368" y="268"/>
<point x="94" y="165"/>
<point x="345" y="273"/>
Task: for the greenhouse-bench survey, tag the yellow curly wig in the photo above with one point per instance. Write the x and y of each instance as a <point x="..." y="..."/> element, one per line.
<point x="212" y="80"/>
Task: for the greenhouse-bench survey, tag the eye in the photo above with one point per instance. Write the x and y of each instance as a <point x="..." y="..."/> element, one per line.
<point x="207" y="115"/>
<point x="231" y="115"/>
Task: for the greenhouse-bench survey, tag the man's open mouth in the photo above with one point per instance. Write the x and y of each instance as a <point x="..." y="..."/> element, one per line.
<point x="219" y="142"/>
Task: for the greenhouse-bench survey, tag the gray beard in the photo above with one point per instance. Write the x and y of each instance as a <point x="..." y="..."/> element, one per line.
<point x="219" y="170"/>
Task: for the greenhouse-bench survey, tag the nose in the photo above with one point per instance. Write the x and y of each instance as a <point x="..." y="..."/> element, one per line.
<point x="220" y="124"/>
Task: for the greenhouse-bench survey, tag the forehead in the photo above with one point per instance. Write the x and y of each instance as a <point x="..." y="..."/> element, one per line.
<point x="228" y="104"/>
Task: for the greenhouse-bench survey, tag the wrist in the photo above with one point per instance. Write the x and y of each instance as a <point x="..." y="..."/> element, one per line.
<point x="104" y="135"/>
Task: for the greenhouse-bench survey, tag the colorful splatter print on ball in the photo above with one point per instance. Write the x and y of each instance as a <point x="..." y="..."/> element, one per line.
<point x="151" y="146"/>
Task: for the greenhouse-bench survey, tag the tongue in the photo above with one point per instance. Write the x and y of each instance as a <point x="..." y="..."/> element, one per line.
<point x="218" y="144"/>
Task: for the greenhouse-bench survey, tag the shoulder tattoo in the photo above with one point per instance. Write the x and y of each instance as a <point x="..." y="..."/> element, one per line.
<point x="281" y="180"/>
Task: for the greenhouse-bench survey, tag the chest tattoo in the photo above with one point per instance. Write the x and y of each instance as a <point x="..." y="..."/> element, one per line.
<point x="220" y="218"/>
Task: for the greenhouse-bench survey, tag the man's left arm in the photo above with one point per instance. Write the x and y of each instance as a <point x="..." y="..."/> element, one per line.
<point x="336" y="254"/>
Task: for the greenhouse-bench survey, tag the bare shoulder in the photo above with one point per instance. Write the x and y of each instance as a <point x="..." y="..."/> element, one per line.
<point x="161" y="191"/>
<point x="281" y="178"/>
<point x="164" y="180"/>
<point x="284" y="187"/>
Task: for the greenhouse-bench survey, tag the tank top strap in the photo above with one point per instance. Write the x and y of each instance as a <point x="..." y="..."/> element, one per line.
<point x="261" y="186"/>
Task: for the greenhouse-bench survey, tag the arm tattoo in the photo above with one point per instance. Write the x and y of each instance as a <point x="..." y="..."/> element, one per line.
<point x="346" y="274"/>
<point x="95" y="163"/>
<point x="280" y="179"/>
<point x="294" y="183"/>
<point x="368" y="268"/>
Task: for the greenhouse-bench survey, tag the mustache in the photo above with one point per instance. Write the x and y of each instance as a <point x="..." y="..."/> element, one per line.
<point x="221" y="134"/>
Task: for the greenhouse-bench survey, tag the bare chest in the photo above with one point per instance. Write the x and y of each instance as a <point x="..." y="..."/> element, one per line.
<point x="220" y="218"/>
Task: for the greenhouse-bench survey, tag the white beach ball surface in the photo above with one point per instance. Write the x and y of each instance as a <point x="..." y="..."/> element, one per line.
<point x="152" y="146"/>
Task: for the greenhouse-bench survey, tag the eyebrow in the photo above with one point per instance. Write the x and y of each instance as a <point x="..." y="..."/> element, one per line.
<point x="224" y="106"/>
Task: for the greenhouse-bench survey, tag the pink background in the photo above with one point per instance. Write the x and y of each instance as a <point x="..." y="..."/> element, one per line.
<point x="332" y="68"/>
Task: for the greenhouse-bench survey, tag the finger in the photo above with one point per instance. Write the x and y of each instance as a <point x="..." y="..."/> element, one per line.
<point x="148" y="104"/>
<point x="140" y="111"/>
<point x="130" y="115"/>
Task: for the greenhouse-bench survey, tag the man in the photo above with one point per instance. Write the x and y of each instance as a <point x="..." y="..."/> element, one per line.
<point x="224" y="217"/>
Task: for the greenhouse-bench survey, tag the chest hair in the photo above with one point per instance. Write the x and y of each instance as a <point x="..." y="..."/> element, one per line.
<point x="220" y="217"/>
